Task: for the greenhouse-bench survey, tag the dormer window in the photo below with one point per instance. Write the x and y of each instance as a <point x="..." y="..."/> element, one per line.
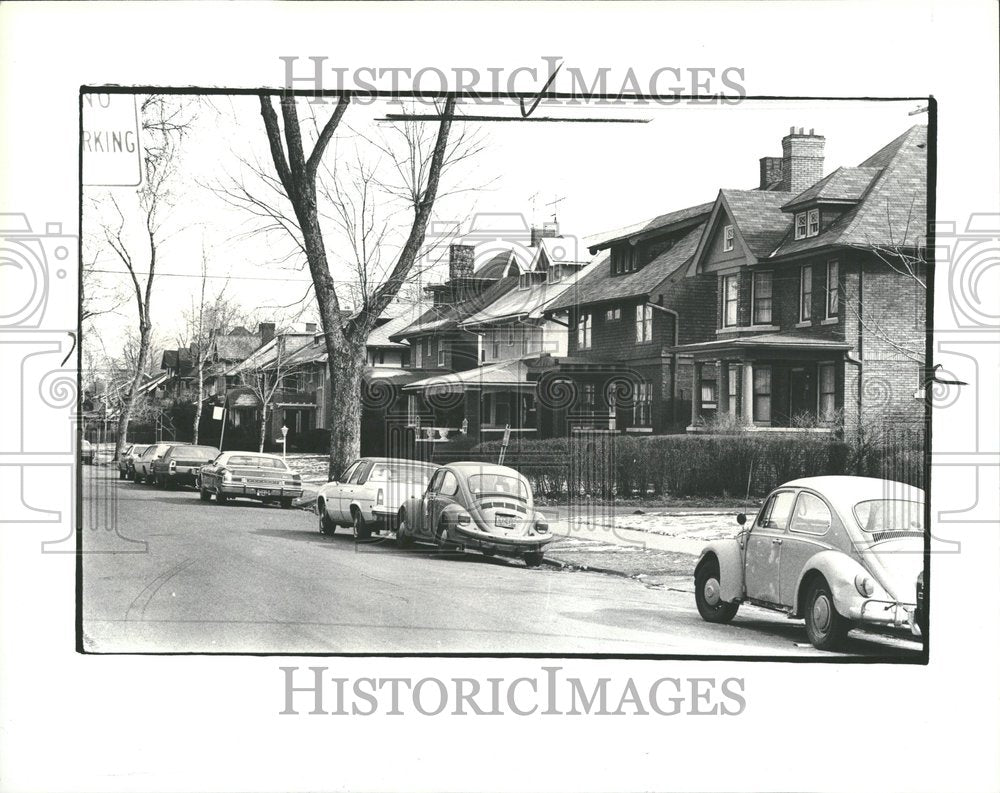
<point x="524" y="281"/>
<point x="555" y="273"/>
<point x="728" y="237"/>
<point x="806" y="224"/>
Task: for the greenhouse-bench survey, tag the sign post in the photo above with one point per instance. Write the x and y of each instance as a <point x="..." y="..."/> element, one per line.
<point x="504" y="444"/>
<point x="219" y="414"/>
<point x="284" y="440"/>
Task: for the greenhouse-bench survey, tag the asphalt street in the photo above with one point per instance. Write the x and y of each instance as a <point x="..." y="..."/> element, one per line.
<point x="166" y="572"/>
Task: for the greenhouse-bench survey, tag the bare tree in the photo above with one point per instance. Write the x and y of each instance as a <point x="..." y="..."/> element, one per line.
<point x="300" y="179"/>
<point x="265" y="376"/>
<point x="164" y="125"/>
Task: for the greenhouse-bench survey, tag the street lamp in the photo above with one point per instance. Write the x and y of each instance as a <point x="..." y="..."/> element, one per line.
<point x="284" y="440"/>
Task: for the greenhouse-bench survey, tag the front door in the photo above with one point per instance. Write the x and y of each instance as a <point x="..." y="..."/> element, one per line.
<point x="801" y="396"/>
<point x="808" y="534"/>
<point x="763" y="549"/>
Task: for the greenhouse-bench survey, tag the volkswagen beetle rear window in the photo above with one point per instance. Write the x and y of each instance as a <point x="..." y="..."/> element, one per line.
<point x="884" y="515"/>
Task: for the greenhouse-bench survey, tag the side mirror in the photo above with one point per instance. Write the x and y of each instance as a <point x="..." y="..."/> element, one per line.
<point x="741" y="518"/>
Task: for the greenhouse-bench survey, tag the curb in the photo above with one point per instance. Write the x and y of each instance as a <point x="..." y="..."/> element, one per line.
<point x="586" y="568"/>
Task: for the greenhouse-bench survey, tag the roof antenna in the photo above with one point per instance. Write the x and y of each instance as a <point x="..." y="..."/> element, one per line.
<point x="918" y="111"/>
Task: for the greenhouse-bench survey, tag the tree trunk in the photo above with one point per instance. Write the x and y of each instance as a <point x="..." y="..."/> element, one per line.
<point x="263" y="424"/>
<point x="126" y="414"/>
<point x="345" y="407"/>
<point x="198" y="399"/>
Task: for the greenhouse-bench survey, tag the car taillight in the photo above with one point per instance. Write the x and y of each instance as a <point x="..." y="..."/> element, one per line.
<point x="173" y="465"/>
<point x="864" y="585"/>
<point x="227" y="475"/>
<point x="542" y="528"/>
<point x="464" y="519"/>
<point x="380" y="497"/>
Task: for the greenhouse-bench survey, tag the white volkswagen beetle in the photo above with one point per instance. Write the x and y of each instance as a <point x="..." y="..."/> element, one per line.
<point x="839" y="551"/>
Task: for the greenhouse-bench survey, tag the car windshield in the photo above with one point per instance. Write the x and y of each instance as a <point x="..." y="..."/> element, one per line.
<point x="257" y="462"/>
<point x="404" y="474"/>
<point x="890" y="515"/>
<point x="498" y="484"/>
<point x="195" y="452"/>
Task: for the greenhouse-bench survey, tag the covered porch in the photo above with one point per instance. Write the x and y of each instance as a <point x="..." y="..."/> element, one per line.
<point x="768" y="382"/>
<point x="480" y="403"/>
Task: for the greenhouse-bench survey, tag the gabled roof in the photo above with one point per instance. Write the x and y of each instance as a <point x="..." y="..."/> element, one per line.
<point x="381" y="335"/>
<point x="599" y="285"/>
<point x="267" y="355"/>
<point x="529" y="303"/>
<point x="235" y="346"/>
<point x="647" y="228"/>
<point x="507" y="373"/>
<point x="843" y="185"/>
<point x="446" y="316"/>
<point x="758" y="218"/>
<point x="557" y="250"/>
<point x="893" y="211"/>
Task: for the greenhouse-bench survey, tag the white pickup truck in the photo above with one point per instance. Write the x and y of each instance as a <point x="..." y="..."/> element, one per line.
<point x="368" y="495"/>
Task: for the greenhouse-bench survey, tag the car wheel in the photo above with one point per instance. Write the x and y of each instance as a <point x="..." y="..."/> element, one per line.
<point x="825" y="627"/>
<point x="533" y="559"/>
<point x="707" y="594"/>
<point x="403" y="536"/>
<point x="488" y="552"/>
<point x="326" y="526"/>
<point x="121" y="474"/>
<point x="361" y="529"/>
<point x="203" y="494"/>
<point x="221" y="498"/>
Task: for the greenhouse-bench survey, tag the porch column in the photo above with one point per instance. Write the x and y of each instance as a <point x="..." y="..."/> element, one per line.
<point x="696" y="394"/>
<point x="747" y="411"/>
<point x="473" y="411"/>
<point x="723" y="389"/>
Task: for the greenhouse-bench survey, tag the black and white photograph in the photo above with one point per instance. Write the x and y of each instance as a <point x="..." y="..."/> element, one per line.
<point x="370" y="377"/>
<point x="500" y="396"/>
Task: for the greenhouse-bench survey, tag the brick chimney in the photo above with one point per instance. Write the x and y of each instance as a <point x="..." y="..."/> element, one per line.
<point x="266" y="332"/>
<point x="545" y="230"/>
<point x="460" y="261"/>
<point x="802" y="159"/>
<point x="770" y="171"/>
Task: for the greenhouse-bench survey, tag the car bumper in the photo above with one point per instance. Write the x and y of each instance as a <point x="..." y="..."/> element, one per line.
<point x="886" y="613"/>
<point x="182" y="477"/>
<point x="258" y="491"/>
<point x="383" y="515"/>
<point x="502" y="543"/>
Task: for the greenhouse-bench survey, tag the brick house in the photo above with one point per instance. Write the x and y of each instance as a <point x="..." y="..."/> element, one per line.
<point x="796" y="305"/>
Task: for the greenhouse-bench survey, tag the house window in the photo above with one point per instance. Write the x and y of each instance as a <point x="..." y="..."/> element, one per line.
<point x="643" y="323"/>
<point x="806" y="224"/>
<point x="813" y="222"/>
<point x="418" y="356"/>
<point x="709" y="393"/>
<point x="495" y="337"/>
<point x="440" y="356"/>
<point x="412" y="411"/>
<point x="734" y="374"/>
<point x="762" y="298"/>
<point x="832" y="288"/>
<point x="727" y="238"/>
<point x="587" y="397"/>
<point x="731" y="300"/>
<point x="827" y="392"/>
<point x="555" y="273"/>
<point x="800" y="225"/>
<point x="642" y="414"/>
<point x="583" y="328"/>
<point x="510" y="335"/>
<point x="762" y="394"/>
<point x="613" y="314"/>
<point x="805" y="293"/>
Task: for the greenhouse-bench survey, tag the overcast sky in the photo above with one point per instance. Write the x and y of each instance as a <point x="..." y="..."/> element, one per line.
<point x="607" y="175"/>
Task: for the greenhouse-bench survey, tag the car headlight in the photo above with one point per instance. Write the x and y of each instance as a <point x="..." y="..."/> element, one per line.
<point x="864" y="585"/>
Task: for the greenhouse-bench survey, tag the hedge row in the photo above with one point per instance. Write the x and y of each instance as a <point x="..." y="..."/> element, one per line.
<point x="603" y="465"/>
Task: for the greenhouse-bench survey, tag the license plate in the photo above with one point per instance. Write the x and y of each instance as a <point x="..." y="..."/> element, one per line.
<point x="505" y="521"/>
<point x="262" y="492"/>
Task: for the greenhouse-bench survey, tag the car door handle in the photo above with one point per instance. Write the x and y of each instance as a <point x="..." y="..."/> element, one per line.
<point x="776" y="542"/>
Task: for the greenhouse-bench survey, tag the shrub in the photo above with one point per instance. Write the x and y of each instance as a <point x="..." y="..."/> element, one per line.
<point x="604" y="465"/>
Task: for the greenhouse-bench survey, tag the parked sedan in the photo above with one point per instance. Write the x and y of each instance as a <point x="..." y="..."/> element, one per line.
<point x="368" y="495"/>
<point x="477" y="505"/>
<point x="839" y="551"/>
<point x="126" y="462"/>
<point x="143" y="466"/>
<point x="180" y="464"/>
<point x="263" y="477"/>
